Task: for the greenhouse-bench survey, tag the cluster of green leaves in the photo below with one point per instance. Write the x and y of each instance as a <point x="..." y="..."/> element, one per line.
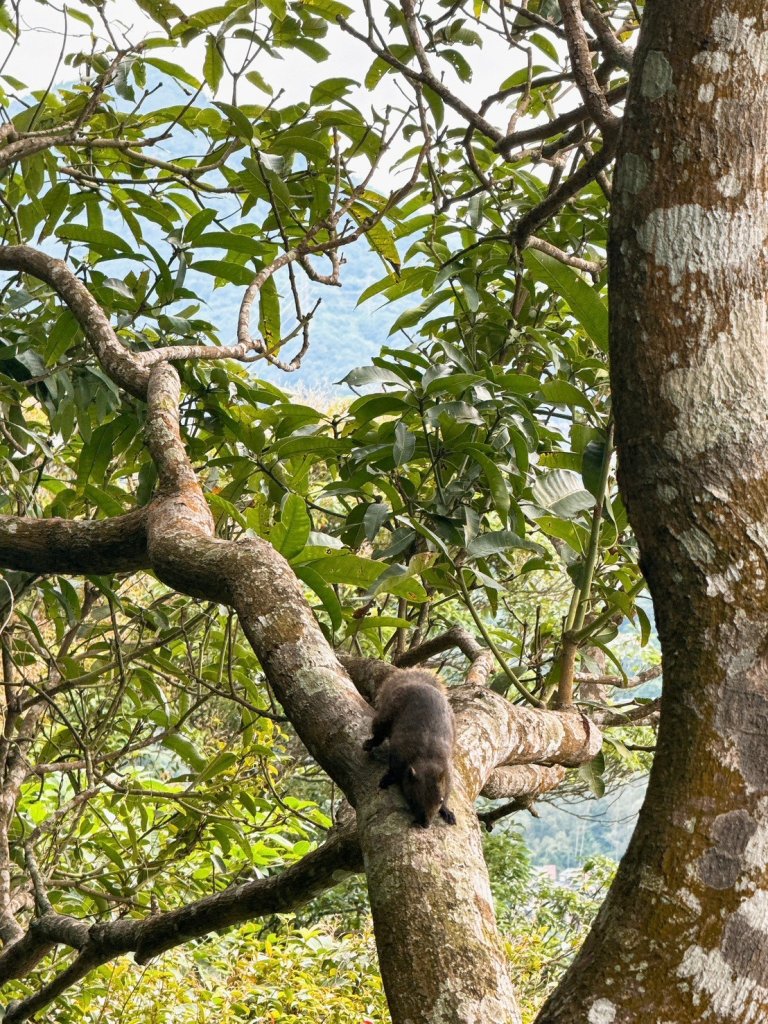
<point x="168" y="715"/>
<point x="254" y="974"/>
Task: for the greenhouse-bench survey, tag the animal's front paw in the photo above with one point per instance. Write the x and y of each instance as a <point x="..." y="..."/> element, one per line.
<point x="448" y="816"/>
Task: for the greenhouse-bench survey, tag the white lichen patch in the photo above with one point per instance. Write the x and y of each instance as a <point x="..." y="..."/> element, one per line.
<point x="713" y="60"/>
<point x="732" y="36"/>
<point x="758" y="532"/>
<point x="706" y="93"/>
<point x="318" y="679"/>
<point x="722" y="583"/>
<point x="754" y="912"/>
<point x="690" y="901"/>
<point x="698" y="546"/>
<point x="633" y="174"/>
<point x="602" y="1011"/>
<point x="716" y="393"/>
<point x="756" y="851"/>
<point x="656" y="75"/>
<point x="650" y="880"/>
<point x="731" y="996"/>
<point x="728" y="185"/>
<point x="691" y="239"/>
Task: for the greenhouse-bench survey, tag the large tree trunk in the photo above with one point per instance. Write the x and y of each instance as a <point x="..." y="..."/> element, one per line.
<point x="682" y="935"/>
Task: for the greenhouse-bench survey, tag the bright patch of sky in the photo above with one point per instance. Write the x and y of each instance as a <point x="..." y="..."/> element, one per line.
<point x="343" y="335"/>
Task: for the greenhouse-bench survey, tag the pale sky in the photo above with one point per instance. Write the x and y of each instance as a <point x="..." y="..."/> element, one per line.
<point x="348" y="336"/>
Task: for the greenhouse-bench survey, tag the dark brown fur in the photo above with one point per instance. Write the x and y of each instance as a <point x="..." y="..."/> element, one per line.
<point x="413" y="713"/>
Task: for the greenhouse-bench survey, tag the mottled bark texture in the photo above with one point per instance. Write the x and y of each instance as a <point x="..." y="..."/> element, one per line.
<point x="683" y="934"/>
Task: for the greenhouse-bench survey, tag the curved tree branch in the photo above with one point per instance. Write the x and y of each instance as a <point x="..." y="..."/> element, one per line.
<point x="120" y="365"/>
<point x="54" y="545"/>
<point x="329" y="715"/>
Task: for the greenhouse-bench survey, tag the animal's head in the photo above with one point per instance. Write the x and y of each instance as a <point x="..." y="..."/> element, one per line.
<point x="425" y="785"/>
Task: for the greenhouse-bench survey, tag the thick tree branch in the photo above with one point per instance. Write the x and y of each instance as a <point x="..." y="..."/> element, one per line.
<point x="555" y="126"/>
<point x="621" y="682"/>
<point x="366" y="673"/>
<point x="490" y="731"/>
<point x="588" y="266"/>
<point x="523" y="782"/>
<point x="642" y="714"/>
<point x="129" y="370"/>
<point x="116" y="360"/>
<point x="103" y="546"/>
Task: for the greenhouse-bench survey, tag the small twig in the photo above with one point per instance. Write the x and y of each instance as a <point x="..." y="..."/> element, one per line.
<point x="42" y="902"/>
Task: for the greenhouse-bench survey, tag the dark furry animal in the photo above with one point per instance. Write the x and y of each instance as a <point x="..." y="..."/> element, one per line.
<point x="413" y="712"/>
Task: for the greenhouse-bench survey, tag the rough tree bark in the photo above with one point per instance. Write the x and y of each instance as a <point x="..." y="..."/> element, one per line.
<point x="682" y="936"/>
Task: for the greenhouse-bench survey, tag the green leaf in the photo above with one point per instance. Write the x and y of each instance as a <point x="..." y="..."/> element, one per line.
<point x="404" y="446"/>
<point x="213" y="65"/>
<point x="55" y="203"/>
<point x="379" y="236"/>
<point x="592" y="774"/>
<point x="330" y="90"/>
<point x="376" y="514"/>
<point x="97" y="453"/>
<point x="61" y="336"/>
<point x="496" y="482"/>
<point x="291" y="540"/>
<point x="455" y="412"/>
<point x="269" y="313"/>
<point x="186" y="750"/>
<point x="330" y="602"/>
<point x="242" y="124"/>
<point x="105" y="242"/>
<point x="370" y="375"/>
<point x="260" y="82"/>
<point x="277" y="8"/>
<point x="645" y="625"/>
<point x="562" y="392"/>
<point x="592" y="466"/>
<point x="576" y="537"/>
<point x="497" y="542"/>
<point x="585" y="304"/>
<point x="562" y="491"/>
<point x="174" y="70"/>
<point x="225" y="271"/>
<point x="348" y="568"/>
<point x="230" y="240"/>
<point x="218" y="764"/>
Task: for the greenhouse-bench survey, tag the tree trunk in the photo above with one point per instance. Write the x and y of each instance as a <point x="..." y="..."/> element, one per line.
<point x="682" y="935"/>
<point x="441" y="957"/>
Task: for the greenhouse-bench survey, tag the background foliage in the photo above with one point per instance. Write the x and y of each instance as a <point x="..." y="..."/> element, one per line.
<point x="468" y="481"/>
